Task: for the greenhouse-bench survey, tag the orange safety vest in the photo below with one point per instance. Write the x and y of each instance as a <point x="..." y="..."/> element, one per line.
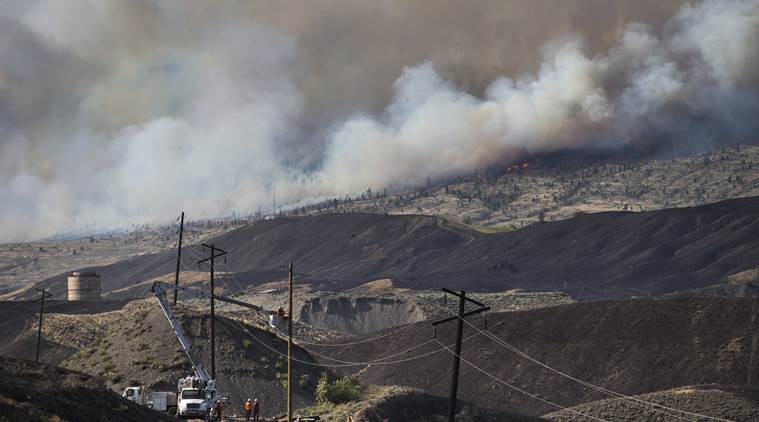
<point x="248" y="405"/>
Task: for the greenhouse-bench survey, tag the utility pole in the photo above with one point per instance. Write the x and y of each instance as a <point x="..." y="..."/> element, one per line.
<point x="459" y="334"/>
<point x="39" y="328"/>
<point x="212" y="258"/>
<point x="290" y="342"/>
<point x="179" y="256"/>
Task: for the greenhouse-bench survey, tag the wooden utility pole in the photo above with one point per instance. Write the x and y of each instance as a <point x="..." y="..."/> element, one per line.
<point x="290" y="342"/>
<point x="212" y="258"/>
<point x="459" y="334"/>
<point x="39" y="328"/>
<point x="179" y="256"/>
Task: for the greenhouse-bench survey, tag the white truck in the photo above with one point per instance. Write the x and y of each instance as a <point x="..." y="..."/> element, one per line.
<point x="195" y="396"/>
<point x="162" y="401"/>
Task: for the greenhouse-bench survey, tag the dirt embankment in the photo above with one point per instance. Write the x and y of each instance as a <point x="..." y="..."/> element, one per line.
<point x="378" y="305"/>
<point x="38" y="392"/>
<point x="632" y="347"/>
<point x="360" y="315"/>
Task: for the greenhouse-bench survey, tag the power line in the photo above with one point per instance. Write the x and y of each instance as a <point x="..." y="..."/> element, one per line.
<point x="39" y="329"/>
<point x="375" y="362"/>
<point x="514" y="387"/>
<point x="586" y="383"/>
<point x="300" y="341"/>
<point x="459" y="333"/>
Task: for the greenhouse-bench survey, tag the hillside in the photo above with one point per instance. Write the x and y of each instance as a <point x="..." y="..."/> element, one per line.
<point x="393" y="403"/>
<point x="631" y="347"/>
<point x="134" y="345"/>
<point x="590" y="256"/>
<point x="42" y="393"/>
<point x="739" y="404"/>
<point x="505" y="198"/>
<point x="559" y="185"/>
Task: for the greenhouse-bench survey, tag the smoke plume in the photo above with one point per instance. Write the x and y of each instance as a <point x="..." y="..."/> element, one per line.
<point x="128" y="111"/>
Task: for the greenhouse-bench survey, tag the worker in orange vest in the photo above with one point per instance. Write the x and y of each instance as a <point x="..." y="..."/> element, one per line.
<point x="248" y="408"/>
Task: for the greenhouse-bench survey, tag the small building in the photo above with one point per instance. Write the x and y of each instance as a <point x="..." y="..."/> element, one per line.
<point x="84" y="285"/>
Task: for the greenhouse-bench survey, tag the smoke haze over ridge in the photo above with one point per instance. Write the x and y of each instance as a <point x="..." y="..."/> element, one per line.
<point x="127" y="111"/>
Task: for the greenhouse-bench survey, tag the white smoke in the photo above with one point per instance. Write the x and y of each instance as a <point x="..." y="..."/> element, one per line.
<point x="107" y="122"/>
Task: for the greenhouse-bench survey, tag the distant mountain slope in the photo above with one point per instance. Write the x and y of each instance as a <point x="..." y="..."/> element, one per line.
<point x="591" y="256"/>
<point x="563" y="183"/>
<point x="631" y="347"/>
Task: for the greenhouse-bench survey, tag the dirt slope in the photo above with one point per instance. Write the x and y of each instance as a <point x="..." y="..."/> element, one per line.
<point x="605" y="255"/>
<point x="39" y="392"/>
<point x="739" y="404"/>
<point x="393" y="403"/>
<point x="633" y="347"/>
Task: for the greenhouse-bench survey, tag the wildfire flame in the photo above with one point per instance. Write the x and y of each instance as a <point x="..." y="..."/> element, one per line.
<point x="518" y="166"/>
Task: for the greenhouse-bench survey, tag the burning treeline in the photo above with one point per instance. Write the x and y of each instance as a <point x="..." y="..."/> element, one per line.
<point x="324" y="100"/>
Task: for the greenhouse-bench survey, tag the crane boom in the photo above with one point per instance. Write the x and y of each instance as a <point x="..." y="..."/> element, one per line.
<point x="159" y="291"/>
<point x="197" y="365"/>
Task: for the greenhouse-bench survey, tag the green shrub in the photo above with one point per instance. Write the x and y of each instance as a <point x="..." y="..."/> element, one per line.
<point x="280" y="364"/>
<point x="342" y="390"/>
<point x="247" y="343"/>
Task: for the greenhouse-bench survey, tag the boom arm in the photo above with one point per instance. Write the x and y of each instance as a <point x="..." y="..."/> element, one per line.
<point x="159" y="291"/>
<point x="197" y="365"/>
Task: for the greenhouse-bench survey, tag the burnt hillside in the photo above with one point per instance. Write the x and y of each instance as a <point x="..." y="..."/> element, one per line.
<point x="591" y="256"/>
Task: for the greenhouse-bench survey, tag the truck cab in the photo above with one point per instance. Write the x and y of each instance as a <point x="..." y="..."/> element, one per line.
<point x="192" y="402"/>
<point x="135" y="394"/>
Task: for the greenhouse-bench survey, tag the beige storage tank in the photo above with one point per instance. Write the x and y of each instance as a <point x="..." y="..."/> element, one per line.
<point x="84" y="286"/>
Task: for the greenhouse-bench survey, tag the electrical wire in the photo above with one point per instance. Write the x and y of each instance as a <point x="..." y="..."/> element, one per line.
<point x="300" y="341"/>
<point x="514" y="387"/>
<point x="660" y="407"/>
<point x="338" y="364"/>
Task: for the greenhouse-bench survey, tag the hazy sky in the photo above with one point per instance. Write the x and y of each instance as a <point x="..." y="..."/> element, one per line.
<point x="119" y="112"/>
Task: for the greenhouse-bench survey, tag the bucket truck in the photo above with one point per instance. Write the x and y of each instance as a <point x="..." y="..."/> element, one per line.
<point x="196" y="393"/>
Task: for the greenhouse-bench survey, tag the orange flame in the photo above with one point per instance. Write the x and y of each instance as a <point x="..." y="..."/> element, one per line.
<point x="518" y="166"/>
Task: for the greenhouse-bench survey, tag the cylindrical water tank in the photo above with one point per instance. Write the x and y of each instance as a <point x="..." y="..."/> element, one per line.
<point x="84" y="286"/>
